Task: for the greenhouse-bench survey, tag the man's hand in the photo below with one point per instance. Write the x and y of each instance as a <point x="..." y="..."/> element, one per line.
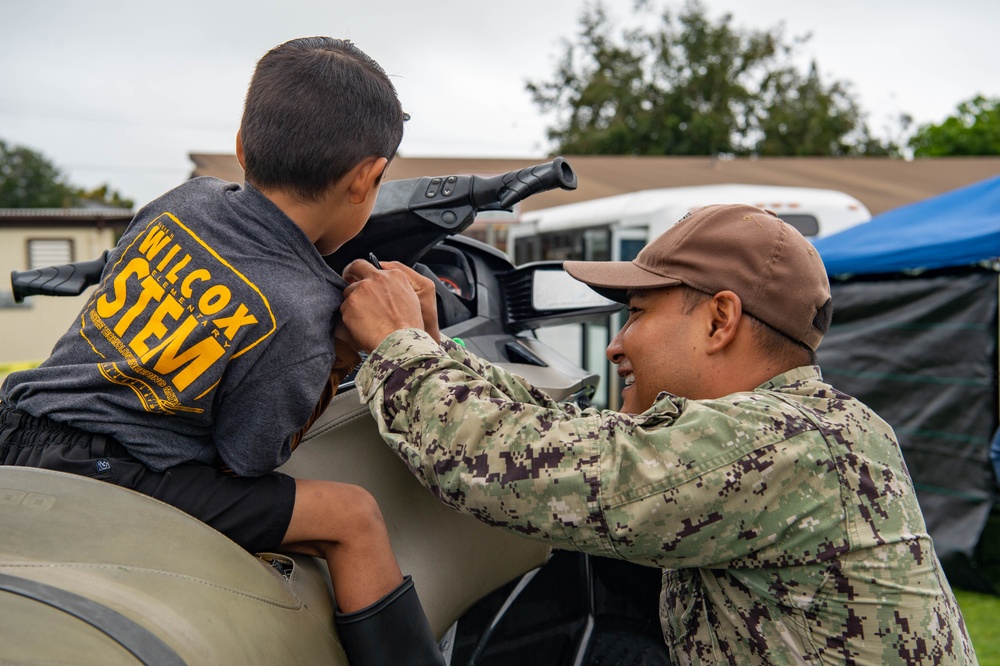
<point x="380" y="302"/>
<point x="426" y="294"/>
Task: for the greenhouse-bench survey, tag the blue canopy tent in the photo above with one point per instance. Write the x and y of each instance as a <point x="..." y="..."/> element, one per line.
<point x="914" y="335"/>
<point x="956" y="228"/>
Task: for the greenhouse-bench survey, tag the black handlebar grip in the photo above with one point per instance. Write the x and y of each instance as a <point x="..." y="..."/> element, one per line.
<point x="64" y="280"/>
<point x="519" y="185"/>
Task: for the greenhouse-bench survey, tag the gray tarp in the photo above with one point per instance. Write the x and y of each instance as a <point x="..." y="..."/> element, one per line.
<point x="921" y="351"/>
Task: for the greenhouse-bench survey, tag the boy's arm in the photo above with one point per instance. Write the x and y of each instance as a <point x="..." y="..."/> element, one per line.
<point x="344" y="362"/>
<point x="256" y="421"/>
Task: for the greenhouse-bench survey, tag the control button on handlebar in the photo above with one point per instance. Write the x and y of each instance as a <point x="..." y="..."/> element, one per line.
<point x="432" y="189"/>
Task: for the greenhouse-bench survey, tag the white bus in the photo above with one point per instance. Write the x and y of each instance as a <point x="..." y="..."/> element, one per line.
<point x="608" y="228"/>
<point x="616" y="228"/>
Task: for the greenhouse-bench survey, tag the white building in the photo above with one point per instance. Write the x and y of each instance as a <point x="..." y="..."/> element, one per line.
<point x="33" y="238"/>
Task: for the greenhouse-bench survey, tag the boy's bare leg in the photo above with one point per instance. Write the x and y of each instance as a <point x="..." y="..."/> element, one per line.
<point x="342" y="524"/>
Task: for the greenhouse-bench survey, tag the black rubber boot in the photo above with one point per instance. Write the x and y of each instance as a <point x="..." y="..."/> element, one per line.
<point x="393" y="631"/>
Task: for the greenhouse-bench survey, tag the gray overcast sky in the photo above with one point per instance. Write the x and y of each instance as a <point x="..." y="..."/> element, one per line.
<point x="121" y="91"/>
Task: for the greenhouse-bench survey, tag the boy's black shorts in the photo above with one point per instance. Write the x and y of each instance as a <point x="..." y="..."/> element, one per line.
<point x="252" y="511"/>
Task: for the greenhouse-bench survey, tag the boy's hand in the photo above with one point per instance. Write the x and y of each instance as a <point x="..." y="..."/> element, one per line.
<point x="378" y="303"/>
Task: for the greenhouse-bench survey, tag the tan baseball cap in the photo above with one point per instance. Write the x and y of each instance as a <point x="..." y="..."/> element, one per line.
<point x="775" y="271"/>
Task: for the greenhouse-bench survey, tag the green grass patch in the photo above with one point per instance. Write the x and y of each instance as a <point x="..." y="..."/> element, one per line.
<point x="981" y="612"/>
<point x="8" y="367"/>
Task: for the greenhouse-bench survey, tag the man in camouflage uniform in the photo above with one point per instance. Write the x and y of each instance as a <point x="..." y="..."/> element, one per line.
<point x="779" y="509"/>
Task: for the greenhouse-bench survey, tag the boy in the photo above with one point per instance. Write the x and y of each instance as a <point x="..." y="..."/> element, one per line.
<point x="208" y="348"/>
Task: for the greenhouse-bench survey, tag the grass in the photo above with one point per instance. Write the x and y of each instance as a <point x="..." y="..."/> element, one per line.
<point x="981" y="612"/>
<point x="8" y="367"/>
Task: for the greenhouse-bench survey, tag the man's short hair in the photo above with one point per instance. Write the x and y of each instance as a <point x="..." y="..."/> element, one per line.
<point x="769" y="341"/>
<point x="316" y="107"/>
<point x="774" y="344"/>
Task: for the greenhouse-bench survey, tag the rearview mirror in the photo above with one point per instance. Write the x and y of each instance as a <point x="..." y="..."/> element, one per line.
<point x="558" y="290"/>
<point x="543" y="294"/>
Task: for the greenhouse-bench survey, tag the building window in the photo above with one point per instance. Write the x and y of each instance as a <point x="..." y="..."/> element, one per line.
<point x="44" y="252"/>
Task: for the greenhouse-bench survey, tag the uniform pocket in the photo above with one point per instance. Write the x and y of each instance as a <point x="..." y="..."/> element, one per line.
<point x="681" y="606"/>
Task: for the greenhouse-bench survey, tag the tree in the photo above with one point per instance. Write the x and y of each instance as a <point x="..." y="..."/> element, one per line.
<point x="799" y="116"/>
<point x="691" y="86"/>
<point x="103" y="195"/>
<point x="29" y="180"/>
<point x="973" y="130"/>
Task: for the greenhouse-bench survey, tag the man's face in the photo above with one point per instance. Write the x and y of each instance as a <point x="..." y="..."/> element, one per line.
<point x="657" y="349"/>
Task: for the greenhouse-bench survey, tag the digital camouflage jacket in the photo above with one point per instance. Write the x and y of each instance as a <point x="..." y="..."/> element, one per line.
<point x="784" y="519"/>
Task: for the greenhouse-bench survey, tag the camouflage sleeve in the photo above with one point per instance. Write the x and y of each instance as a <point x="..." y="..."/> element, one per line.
<point x="510" y="384"/>
<point x="485" y="448"/>
<point x="670" y="487"/>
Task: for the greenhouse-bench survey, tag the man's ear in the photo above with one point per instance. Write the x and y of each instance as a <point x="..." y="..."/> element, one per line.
<point x="725" y="311"/>
<point x="365" y="177"/>
<point x="239" y="148"/>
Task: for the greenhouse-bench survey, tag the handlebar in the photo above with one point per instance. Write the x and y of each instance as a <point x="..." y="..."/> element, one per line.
<point x="408" y="218"/>
<point x="63" y="280"/>
<point x="411" y="215"/>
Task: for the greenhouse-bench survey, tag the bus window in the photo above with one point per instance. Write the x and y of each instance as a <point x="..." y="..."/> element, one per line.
<point x="527" y="249"/>
<point x="807" y="225"/>
<point x="630" y="247"/>
<point x="572" y="245"/>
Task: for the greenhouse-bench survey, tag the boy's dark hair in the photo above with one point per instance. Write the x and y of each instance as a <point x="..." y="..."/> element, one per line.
<point x="315" y="108"/>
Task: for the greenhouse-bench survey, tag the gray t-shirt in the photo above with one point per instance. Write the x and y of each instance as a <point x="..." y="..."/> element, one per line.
<point x="210" y="335"/>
